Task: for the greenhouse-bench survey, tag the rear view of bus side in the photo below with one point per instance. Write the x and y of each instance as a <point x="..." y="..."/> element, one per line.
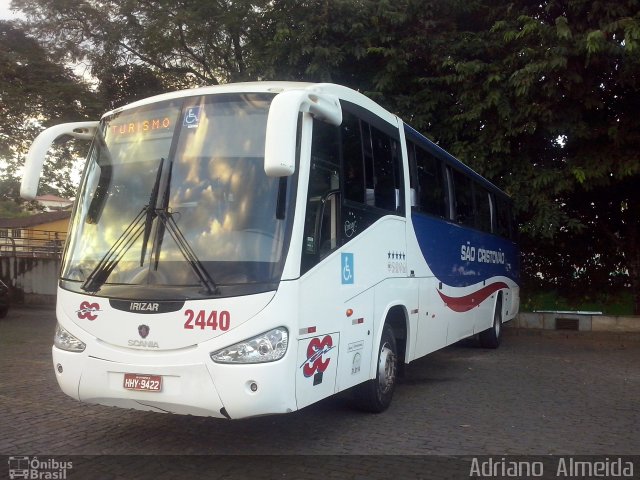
<point x="251" y="249"/>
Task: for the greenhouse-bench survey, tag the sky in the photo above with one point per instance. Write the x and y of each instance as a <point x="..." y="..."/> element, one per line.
<point x="5" y="13"/>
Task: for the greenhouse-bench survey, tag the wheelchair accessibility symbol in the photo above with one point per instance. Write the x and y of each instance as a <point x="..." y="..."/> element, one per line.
<point x="347" y="268"/>
<point x="192" y="117"/>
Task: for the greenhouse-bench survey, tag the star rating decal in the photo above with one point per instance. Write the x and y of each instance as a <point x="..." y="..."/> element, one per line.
<point x="396" y="262"/>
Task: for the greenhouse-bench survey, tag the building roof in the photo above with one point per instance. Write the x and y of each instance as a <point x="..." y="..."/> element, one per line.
<point x="34" y="220"/>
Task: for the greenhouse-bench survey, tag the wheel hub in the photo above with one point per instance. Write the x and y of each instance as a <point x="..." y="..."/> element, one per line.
<point x="386" y="369"/>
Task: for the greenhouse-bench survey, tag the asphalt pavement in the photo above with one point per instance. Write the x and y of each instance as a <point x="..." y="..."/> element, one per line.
<point x="540" y="393"/>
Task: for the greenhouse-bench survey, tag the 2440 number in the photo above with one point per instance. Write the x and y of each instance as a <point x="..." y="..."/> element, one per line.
<point x="214" y="320"/>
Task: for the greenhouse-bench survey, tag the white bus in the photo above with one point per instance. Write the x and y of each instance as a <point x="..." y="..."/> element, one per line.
<point x="253" y="248"/>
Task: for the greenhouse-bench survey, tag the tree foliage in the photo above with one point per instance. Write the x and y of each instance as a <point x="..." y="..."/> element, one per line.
<point x="539" y="96"/>
<point x="542" y="98"/>
<point x="186" y="42"/>
<point x="35" y="92"/>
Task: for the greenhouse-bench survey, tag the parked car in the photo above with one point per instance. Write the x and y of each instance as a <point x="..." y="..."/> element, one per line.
<point x="4" y="299"/>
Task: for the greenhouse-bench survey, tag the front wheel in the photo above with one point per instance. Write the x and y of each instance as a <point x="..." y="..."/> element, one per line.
<point x="375" y="395"/>
<point x="491" y="337"/>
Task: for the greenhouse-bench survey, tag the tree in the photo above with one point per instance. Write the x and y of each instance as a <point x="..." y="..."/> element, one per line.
<point x="35" y="92"/>
<point x="577" y="73"/>
<point x="539" y="96"/>
<point x="188" y="42"/>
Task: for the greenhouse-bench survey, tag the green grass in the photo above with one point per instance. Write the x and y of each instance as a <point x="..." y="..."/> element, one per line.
<point x="620" y="303"/>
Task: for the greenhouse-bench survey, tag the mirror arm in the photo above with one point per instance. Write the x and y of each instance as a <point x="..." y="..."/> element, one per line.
<point x="282" y="124"/>
<point x="39" y="148"/>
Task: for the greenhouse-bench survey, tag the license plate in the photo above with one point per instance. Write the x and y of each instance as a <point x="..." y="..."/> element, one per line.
<point x="142" y="383"/>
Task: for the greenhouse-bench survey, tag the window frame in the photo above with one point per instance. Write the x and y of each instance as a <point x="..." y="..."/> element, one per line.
<point x="449" y="165"/>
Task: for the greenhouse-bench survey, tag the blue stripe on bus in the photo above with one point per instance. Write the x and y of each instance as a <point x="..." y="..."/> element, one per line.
<point x="460" y="256"/>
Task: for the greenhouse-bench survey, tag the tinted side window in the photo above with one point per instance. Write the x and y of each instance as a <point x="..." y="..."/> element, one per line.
<point x="483" y="208"/>
<point x="503" y="218"/>
<point x="463" y="199"/>
<point x="386" y="171"/>
<point x="354" y="177"/>
<point x="367" y="153"/>
<point x="432" y="192"/>
<point x="321" y="233"/>
<point x="372" y="166"/>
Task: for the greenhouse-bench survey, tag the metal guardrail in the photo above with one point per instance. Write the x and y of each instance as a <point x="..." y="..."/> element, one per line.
<point x="31" y="243"/>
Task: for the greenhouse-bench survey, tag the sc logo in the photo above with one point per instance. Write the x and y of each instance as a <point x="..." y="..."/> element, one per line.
<point x="87" y="311"/>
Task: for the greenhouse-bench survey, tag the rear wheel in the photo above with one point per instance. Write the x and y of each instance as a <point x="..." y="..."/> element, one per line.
<point x="491" y="337"/>
<point x="375" y="395"/>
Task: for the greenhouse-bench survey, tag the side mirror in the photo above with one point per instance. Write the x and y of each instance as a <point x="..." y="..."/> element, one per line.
<point x="282" y="124"/>
<point x="39" y="148"/>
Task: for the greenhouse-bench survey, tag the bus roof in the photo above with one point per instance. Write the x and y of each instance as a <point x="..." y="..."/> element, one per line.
<point x="275" y="87"/>
<point x="342" y="92"/>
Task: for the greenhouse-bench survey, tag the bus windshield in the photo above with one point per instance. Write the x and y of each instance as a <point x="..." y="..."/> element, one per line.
<point x="177" y="187"/>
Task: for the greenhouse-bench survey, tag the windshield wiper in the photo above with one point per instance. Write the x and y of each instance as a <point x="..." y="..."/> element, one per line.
<point x="108" y="262"/>
<point x="161" y="227"/>
<point x="151" y="212"/>
<point x="142" y="224"/>
<point x="167" y="222"/>
<point x="126" y="240"/>
<point x="192" y="259"/>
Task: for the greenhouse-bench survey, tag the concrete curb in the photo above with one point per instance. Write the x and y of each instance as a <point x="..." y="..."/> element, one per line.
<point x="583" y="322"/>
<point x="622" y="339"/>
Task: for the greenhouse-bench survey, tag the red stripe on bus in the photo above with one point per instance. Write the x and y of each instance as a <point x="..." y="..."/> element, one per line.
<point x="466" y="303"/>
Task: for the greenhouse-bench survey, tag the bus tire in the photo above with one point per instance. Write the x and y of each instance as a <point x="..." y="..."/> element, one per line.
<point x="492" y="336"/>
<point x="375" y="395"/>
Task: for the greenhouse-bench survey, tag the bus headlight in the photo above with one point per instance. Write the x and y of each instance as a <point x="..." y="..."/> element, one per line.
<point x="65" y="341"/>
<point x="267" y="347"/>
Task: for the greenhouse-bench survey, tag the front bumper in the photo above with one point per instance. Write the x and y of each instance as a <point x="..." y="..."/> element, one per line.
<point x="188" y="387"/>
